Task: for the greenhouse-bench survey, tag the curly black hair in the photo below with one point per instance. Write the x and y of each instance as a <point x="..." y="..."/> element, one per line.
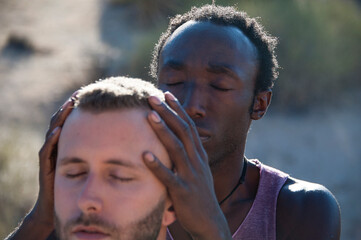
<point x="229" y="16"/>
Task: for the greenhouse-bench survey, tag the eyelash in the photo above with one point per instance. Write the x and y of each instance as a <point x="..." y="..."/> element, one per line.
<point x="74" y="175"/>
<point x="214" y="86"/>
<point x="220" y="89"/>
<point x="121" y="179"/>
<point x="174" y="84"/>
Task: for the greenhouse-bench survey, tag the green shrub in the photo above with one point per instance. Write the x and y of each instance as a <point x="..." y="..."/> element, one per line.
<point x="153" y="11"/>
<point x="319" y="50"/>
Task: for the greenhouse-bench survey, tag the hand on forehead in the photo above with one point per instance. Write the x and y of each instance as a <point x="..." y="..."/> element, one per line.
<point x="119" y="134"/>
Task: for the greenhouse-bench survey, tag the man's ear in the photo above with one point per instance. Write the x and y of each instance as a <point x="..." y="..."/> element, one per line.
<point x="169" y="214"/>
<point x="260" y="105"/>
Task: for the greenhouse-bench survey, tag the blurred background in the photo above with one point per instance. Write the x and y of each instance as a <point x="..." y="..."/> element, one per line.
<point x="48" y="49"/>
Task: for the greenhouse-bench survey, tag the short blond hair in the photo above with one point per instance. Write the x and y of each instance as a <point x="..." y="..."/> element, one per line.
<point x="116" y="93"/>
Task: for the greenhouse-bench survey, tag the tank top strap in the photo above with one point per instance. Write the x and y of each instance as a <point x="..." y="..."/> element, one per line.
<point x="260" y="222"/>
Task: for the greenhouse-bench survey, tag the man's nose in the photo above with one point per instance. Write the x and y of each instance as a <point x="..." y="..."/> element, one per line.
<point x="90" y="200"/>
<point x="194" y="101"/>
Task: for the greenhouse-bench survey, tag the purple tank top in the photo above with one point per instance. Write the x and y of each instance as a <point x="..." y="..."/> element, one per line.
<point x="260" y="222"/>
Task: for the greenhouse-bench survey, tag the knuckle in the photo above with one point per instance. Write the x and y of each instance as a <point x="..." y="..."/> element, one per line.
<point x="191" y="123"/>
<point x="184" y="189"/>
<point x="161" y="109"/>
<point x="185" y="128"/>
<point x="176" y="183"/>
<point x="177" y="147"/>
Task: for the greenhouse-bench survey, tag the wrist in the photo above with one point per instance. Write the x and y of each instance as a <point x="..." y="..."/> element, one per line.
<point x="216" y="230"/>
<point x="41" y="214"/>
<point x="32" y="227"/>
<point x="214" y="235"/>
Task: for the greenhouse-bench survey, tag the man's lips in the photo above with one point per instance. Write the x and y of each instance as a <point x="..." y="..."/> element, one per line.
<point x="204" y="135"/>
<point x="89" y="232"/>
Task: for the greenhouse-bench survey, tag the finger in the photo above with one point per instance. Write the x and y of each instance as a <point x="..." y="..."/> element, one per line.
<point x="47" y="154"/>
<point x="58" y="118"/>
<point x="74" y="95"/>
<point x="180" y="128"/>
<point x="172" y="144"/>
<point x="164" y="174"/>
<point x="173" y="102"/>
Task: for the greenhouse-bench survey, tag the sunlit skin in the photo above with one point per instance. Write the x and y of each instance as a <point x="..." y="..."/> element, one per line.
<point x="212" y="70"/>
<point x="100" y="172"/>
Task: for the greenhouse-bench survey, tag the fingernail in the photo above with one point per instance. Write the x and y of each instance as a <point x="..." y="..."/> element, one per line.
<point x="155" y="100"/>
<point x="170" y="96"/>
<point x="149" y="157"/>
<point x="74" y="95"/>
<point x="155" y="117"/>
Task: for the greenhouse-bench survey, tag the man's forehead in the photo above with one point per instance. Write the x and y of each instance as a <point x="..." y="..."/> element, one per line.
<point x="109" y="162"/>
<point x="194" y="29"/>
<point x="205" y="46"/>
<point x="115" y="137"/>
<point x="123" y="126"/>
<point x="114" y="118"/>
<point x="192" y="34"/>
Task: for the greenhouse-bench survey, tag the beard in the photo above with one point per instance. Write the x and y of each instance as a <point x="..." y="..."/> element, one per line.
<point x="228" y="146"/>
<point x="147" y="228"/>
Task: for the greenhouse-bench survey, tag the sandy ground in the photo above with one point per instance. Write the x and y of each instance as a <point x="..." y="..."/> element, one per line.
<point x="68" y="39"/>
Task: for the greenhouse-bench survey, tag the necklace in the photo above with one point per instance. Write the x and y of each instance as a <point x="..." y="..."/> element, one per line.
<point x="240" y="181"/>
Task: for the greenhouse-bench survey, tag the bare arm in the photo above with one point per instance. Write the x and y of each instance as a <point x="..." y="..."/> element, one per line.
<point x="307" y="211"/>
<point x="39" y="222"/>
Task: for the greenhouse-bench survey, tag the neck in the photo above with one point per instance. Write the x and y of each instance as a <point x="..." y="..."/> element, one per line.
<point x="226" y="174"/>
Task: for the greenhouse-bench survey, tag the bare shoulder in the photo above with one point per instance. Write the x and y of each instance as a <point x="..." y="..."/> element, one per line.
<point x="307" y="210"/>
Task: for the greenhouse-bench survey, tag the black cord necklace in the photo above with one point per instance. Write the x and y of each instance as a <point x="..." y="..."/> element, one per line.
<point x="240" y="181"/>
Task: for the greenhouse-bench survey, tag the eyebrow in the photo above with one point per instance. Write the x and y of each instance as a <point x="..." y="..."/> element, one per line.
<point x="213" y="67"/>
<point x="118" y="162"/>
<point x="222" y="68"/>
<point x="70" y="160"/>
<point x="121" y="162"/>
<point x="174" y="64"/>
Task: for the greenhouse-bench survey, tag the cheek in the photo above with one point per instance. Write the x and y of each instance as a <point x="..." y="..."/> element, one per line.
<point x="64" y="200"/>
<point x="177" y="91"/>
<point x="239" y="106"/>
<point x="151" y="190"/>
<point x="134" y="203"/>
<point x="148" y="190"/>
<point x="234" y="119"/>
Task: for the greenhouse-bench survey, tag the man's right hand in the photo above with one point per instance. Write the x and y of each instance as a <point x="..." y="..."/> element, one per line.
<point x="190" y="184"/>
<point x="39" y="223"/>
